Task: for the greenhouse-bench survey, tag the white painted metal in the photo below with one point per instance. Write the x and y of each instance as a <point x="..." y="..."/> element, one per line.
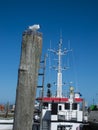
<point x="66" y="118"/>
<point x="6" y="124"/>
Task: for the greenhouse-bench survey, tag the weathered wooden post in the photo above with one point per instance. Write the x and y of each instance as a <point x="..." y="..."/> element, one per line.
<point x="27" y="79"/>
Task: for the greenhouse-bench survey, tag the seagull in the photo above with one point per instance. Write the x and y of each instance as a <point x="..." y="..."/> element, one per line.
<point x="34" y="27"/>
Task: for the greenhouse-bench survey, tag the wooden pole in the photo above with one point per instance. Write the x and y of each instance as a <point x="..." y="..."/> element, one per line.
<point x="27" y="80"/>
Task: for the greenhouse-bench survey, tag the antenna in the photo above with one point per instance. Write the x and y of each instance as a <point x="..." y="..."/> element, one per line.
<point x="68" y="55"/>
<point x="60" y="43"/>
<point x="49" y="62"/>
<point x="59" y="68"/>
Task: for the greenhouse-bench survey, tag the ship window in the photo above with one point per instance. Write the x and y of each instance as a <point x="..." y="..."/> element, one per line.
<point x="60" y="107"/>
<point x="64" y="127"/>
<point x="45" y="104"/>
<point x="74" y="106"/>
<point x="67" y="106"/>
<point x="61" y="127"/>
<point x="54" y="108"/>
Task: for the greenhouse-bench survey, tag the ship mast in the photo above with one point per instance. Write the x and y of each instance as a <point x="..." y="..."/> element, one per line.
<point x="59" y="68"/>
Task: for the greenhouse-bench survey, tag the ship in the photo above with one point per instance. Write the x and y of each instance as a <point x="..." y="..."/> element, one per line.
<point x="59" y="112"/>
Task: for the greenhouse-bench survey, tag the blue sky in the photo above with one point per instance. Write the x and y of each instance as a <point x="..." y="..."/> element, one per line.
<point x="78" y="20"/>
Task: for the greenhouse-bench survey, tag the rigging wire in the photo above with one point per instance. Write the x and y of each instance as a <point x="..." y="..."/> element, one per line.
<point x="75" y="72"/>
<point x="49" y="62"/>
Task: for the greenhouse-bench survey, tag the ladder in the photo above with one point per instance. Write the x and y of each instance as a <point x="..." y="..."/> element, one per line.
<point x="42" y="74"/>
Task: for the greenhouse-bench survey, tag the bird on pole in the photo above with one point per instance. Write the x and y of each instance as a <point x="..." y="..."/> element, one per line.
<point x="34" y="27"/>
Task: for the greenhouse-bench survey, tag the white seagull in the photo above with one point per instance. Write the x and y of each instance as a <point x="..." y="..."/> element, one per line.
<point x="34" y="27"/>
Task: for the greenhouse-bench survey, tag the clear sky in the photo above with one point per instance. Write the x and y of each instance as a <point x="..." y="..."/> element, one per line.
<point x="78" y="20"/>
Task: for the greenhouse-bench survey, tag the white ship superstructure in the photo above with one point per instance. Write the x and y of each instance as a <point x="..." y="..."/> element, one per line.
<point x="58" y="112"/>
